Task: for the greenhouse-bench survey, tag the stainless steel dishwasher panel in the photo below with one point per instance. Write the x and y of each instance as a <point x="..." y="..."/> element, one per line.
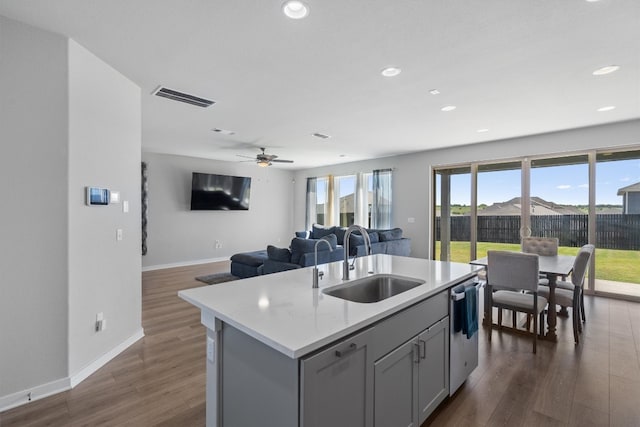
<point x="463" y="351"/>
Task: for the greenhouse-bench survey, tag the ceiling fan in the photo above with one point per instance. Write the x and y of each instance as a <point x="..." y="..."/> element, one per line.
<point x="263" y="159"/>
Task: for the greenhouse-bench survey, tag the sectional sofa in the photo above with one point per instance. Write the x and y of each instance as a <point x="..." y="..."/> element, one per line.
<point x="300" y="253"/>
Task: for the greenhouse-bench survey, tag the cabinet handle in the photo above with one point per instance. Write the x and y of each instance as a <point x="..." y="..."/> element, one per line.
<point x="352" y="347"/>
<point x="423" y="349"/>
<point x="416" y="352"/>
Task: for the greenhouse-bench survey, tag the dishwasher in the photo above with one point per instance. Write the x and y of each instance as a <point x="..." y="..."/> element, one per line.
<point x="463" y="350"/>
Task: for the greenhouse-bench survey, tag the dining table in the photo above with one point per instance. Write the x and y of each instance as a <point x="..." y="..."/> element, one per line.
<point x="552" y="267"/>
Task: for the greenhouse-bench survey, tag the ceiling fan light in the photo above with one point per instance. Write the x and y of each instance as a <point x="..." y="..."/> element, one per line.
<point x="263" y="163"/>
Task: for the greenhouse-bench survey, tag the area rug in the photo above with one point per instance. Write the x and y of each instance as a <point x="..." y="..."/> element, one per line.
<point x="213" y="279"/>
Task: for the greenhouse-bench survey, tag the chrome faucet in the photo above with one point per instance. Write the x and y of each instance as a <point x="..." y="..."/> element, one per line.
<point x="367" y="246"/>
<point x="316" y="274"/>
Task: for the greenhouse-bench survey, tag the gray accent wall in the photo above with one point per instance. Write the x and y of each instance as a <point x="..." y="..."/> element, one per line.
<point x="177" y="235"/>
<point x="67" y="121"/>
<point x="412" y="172"/>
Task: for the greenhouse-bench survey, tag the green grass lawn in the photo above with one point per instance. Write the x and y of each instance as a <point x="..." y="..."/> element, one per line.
<point x="611" y="264"/>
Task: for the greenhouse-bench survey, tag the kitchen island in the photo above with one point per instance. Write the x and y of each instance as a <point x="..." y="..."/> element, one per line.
<point x="281" y="351"/>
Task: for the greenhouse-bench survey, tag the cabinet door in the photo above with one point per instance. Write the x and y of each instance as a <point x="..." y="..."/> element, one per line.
<point x="433" y="382"/>
<point x="396" y="392"/>
<point x="337" y="385"/>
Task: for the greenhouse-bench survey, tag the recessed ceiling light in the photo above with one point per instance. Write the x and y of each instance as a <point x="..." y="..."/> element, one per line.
<point x="592" y="1"/>
<point x="390" y="71"/>
<point x="434" y="92"/>
<point x="448" y="108"/>
<point x="295" y="9"/>
<point x="606" y="70"/>
<point x="482" y="130"/>
<point x="607" y="108"/>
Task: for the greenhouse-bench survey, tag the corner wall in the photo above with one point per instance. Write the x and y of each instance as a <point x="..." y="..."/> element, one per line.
<point x="33" y="230"/>
<point x="104" y="151"/>
<point x="67" y="120"/>
<point x="179" y="236"/>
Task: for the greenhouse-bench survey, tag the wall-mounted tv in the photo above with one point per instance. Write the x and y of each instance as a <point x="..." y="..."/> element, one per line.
<point x="210" y="192"/>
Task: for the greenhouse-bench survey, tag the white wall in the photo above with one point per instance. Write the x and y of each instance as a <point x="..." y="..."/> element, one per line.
<point x="412" y="173"/>
<point x="104" y="151"/>
<point x="177" y="235"/>
<point x="67" y="120"/>
<point x="33" y="225"/>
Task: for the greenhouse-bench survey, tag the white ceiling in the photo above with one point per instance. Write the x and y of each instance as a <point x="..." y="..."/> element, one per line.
<point x="516" y="67"/>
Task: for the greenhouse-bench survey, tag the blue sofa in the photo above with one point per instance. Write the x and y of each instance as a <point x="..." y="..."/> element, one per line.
<point x="301" y="254"/>
<point x="301" y="251"/>
<point x="388" y="241"/>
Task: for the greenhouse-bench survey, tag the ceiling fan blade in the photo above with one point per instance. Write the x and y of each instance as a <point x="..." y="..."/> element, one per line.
<point x="246" y="157"/>
<point x="282" y="161"/>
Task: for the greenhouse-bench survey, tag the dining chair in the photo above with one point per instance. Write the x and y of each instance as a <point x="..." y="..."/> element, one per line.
<point x="571" y="294"/>
<point x="515" y="271"/>
<point x="544" y="246"/>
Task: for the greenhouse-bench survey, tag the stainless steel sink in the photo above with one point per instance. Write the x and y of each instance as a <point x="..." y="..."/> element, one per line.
<point x="374" y="288"/>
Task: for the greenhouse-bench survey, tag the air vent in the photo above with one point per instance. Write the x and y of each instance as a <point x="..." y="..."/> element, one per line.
<point x="321" y="135"/>
<point x="182" y="97"/>
<point x="223" y="131"/>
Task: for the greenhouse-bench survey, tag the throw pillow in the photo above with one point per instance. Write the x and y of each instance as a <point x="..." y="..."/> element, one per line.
<point x="301" y="246"/>
<point x="340" y="232"/>
<point x="319" y="231"/>
<point x="355" y="240"/>
<point x="374" y="237"/>
<point x="303" y="234"/>
<point x="393" y="234"/>
<point x="278" y="254"/>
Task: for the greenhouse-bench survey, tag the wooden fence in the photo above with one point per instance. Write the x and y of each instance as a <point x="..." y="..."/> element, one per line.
<point x="613" y="231"/>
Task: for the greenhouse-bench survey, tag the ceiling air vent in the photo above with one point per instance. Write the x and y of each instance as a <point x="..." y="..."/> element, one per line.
<point x="182" y="97"/>
<point x="321" y="135"/>
<point x="223" y="131"/>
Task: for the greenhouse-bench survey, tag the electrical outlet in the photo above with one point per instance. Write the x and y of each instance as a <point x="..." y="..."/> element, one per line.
<point x="101" y="322"/>
<point x="218" y="244"/>
<point x="119" y="234"/>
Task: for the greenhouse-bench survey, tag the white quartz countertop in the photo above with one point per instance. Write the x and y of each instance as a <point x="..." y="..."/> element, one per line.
<point x="283" y="311"/>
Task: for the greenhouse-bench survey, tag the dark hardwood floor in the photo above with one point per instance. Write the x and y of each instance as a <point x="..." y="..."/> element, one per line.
<point x="160" y="380"/>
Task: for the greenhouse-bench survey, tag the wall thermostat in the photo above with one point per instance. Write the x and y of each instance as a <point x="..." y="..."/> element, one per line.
<point x="97" y="196"/>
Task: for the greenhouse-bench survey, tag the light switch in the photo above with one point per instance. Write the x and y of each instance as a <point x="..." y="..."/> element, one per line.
<point x="119" y="234"/>
<point x="211" y="350"/>
<point x="125" y="206"/>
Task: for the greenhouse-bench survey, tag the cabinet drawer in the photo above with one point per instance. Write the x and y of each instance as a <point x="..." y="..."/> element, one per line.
<point x="400" y="327"/>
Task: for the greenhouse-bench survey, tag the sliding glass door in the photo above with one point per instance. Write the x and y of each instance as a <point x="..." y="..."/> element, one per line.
<point x="580" y="199"/>
<point x="559" y="199"/>
<point x="453" y="214"/>
<point x="618" y="223"/>
<point x="499" y="206"/>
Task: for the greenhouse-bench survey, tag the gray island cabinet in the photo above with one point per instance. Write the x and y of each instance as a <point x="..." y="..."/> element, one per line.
<point x="282" y="353"/>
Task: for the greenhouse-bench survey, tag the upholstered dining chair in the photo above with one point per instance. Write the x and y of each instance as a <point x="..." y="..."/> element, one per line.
<point x="545" y="246"/>
<point x="571" y="294"/>
<point x="515" y="271"/>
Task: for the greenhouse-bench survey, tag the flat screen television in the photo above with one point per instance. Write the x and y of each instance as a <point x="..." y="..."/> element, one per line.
<point x="210" y="192"/>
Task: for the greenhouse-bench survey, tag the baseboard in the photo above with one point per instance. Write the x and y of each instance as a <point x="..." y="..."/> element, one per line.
<point x="63" y="384"/>
<point x="34" y="393"/>
<point x="183" y="263"/>
<point x="104" y="359"/>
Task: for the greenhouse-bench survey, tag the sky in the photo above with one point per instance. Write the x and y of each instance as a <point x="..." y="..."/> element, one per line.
<point x="567" y="185"/>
